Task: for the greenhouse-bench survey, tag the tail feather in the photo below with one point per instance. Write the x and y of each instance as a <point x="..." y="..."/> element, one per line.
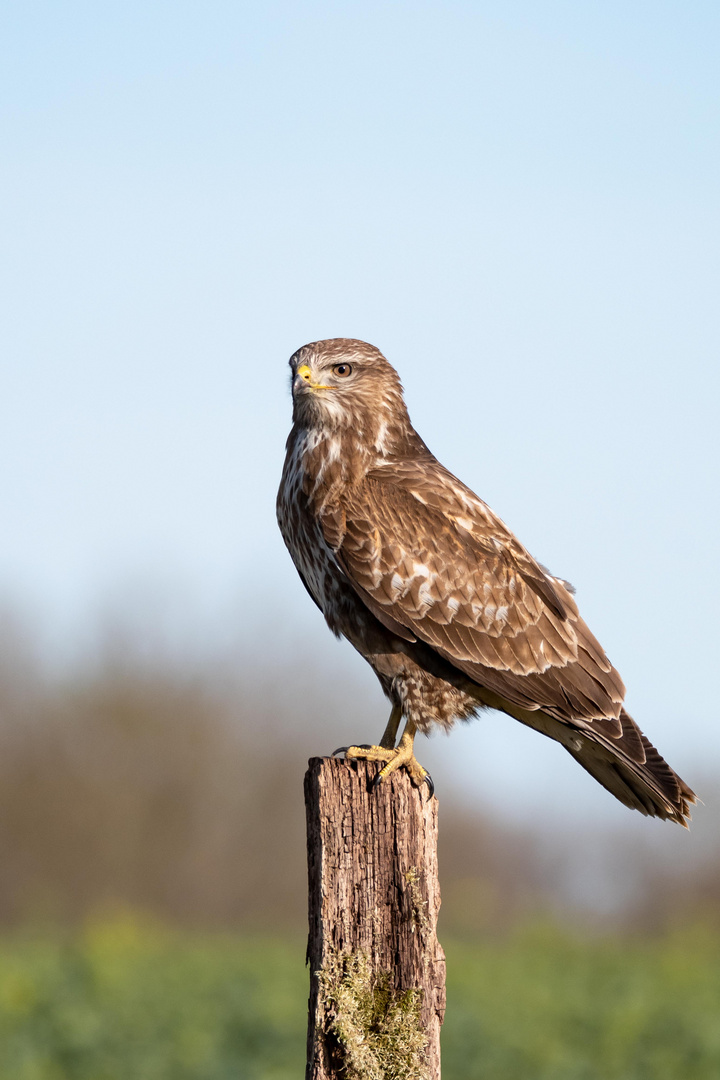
<point x="634" y="772"/>
<point x="615" y="752"/>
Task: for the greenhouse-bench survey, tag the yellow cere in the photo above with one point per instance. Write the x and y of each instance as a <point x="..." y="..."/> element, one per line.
<point x="304" y="372"/>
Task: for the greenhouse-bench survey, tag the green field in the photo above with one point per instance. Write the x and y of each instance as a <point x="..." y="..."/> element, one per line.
<point x="127" y="1000"/>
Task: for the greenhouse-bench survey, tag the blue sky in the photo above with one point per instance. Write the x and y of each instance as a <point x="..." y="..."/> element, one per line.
<point x="517" y="202"/>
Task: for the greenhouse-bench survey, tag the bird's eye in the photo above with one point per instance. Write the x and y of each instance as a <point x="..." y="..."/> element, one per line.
<point x="342" y="370"/>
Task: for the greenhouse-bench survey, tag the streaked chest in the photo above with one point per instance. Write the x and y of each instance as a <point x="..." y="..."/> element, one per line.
<point x="299" y="524"/>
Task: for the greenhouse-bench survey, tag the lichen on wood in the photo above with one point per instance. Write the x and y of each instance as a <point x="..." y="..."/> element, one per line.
<point x="379" y="1029"/>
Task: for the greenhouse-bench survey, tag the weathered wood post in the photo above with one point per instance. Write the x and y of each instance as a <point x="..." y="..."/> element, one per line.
<point x="377" y="971"/>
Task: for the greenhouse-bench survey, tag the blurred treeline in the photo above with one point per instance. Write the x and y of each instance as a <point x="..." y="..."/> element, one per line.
<point x="171" y="783"/>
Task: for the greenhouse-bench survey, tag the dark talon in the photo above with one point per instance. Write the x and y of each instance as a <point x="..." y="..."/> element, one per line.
<point x="429" y="781"/>
<point x="377" y="781"/>
<point x="344" y="749"/>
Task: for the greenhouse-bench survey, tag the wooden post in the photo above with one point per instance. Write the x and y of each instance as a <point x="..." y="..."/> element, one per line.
<point x="377" y="971"/>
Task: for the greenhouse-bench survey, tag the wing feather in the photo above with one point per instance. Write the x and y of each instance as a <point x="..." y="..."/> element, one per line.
<point x="434" y="564"/>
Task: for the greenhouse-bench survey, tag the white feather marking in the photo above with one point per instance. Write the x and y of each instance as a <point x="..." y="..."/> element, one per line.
<point x="424" y="597"/>
<point x="307" y="443"/>
<point x="334" y="409"/>
<point x="376" y="577"/>
<point x="397" y="584"/>
<point x="334" y="447"/>
<point x="381" y="437"/>
<point x="462" y="495"/>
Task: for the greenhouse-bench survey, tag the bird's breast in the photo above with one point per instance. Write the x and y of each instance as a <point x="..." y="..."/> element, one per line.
<point x="302" y="534"/>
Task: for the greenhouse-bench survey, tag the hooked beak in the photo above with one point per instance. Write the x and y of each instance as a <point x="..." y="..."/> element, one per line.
<point x="303" y="379"/>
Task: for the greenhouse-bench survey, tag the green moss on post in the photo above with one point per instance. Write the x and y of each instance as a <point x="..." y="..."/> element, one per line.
<point x="379" y="1029"/>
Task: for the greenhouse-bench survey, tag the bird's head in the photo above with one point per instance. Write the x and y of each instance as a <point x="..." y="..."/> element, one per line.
<point x="347" y="385"/>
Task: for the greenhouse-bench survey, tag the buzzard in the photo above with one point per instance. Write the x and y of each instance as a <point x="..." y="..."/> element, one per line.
<point x="452" y="613"/>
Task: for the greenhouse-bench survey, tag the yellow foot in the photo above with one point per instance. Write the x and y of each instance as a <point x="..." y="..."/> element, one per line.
<point x="401" y="757"/>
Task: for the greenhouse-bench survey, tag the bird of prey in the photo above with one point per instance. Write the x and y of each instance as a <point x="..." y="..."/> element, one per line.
<point x="452" y="613"/>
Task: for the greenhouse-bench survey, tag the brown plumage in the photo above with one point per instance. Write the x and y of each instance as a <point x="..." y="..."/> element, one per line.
<point x="450" y="610"/>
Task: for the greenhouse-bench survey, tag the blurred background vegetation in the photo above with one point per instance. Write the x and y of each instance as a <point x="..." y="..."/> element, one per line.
<point x="152" y="886"/>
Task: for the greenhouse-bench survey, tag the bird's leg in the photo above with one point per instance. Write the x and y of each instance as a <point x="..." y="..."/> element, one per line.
<point x="395" y="757"/>
<point x="390" y="733"/>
